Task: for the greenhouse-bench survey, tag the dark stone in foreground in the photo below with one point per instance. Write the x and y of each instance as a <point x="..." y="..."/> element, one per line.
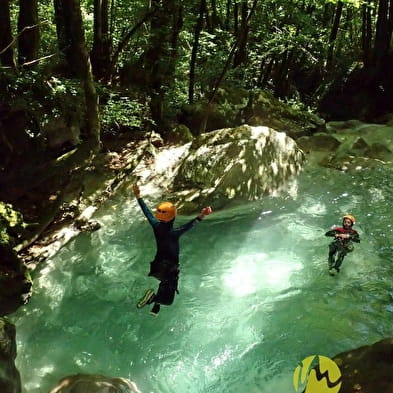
<point x="367" y="369"/>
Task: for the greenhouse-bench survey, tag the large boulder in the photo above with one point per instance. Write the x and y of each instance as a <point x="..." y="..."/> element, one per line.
<point x="9" y="376"/>
<point x="240" y="163"/>
<point x="82" y="383"/>
<point x="367" y="369"/>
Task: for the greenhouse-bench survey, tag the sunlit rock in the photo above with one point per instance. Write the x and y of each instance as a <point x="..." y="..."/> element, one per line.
<point x="9" y="376"/>
<point x="240" y="163"/>
<point x="82" y="383"/>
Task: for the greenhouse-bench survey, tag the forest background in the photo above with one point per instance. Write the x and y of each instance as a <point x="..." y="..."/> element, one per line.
<point x="75" y="74"/>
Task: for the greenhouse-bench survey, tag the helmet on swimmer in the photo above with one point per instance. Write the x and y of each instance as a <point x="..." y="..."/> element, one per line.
<point x="350" y="217"/>
<point x="166" y="211"/>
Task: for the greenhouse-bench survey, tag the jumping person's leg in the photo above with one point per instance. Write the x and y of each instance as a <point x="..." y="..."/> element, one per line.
<point x="166" y="292"/>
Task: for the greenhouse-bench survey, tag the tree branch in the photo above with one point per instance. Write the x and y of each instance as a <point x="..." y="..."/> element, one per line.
<point x="20" y="33"/>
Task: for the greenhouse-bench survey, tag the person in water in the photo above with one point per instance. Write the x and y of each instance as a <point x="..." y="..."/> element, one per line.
<point x="165" y="266"/>
<point x="342" y="243"/>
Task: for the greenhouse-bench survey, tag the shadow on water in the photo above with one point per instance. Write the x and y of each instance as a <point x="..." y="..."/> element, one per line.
<point x="255" y="297"/>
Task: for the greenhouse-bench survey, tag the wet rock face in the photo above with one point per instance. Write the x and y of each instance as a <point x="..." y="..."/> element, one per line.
<point x="368" y="369"/>
<point x="15" y="281"/>
<point x="9" y="376"/>
<point x="240" y="163"/>
<point x="81" y="383"/>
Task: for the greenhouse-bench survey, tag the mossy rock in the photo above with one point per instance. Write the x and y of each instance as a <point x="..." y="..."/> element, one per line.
<point x="10" y="381"/>
<point x="11" y="223"/>
<point x="180" y="134"/>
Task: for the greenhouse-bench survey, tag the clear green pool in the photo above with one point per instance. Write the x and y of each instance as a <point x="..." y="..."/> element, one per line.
<point x="255" y="297"/>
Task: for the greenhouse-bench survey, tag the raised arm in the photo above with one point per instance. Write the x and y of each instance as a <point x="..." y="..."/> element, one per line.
<point x="146" y="211"/>
<point x="184" y="228"/>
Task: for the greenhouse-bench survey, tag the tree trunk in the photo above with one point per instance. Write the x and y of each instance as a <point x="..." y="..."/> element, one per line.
<point x="267" y="73"/>
<point x="223" y="73"/>
<point x="366" y="33"/>
<point x="29" y="32"/>
<point x="382" y="36"/>
<point x="62" y="30"/>
<point x="280" y="75"/>
<point x="102" y="46"/>
<point x="72" y="43"/>
<point x="327" y="14"/>
<point x="216" y="20"/>
<point x="348" y="26"/>
<point x="227" y="14"/>
<point x="391" y="19"/>
<point x="6" y="49"/>
<point x="125" y="40"/>
<point x="241" y="52"/>
<point x="160" y="57"/>
<point x="209" y="19"/>
<point x="236" y="19"/>
<point x="261" y="68"/>
<point x="333" y="34"/>
<point x="197" y="32"/>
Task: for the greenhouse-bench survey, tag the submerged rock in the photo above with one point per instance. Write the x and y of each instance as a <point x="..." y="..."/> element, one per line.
<point x="9" y="376"/>
<point x="82" y="383"/>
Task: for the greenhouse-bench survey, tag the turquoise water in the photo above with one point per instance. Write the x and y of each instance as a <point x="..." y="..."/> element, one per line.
<point x="255" y="297"/>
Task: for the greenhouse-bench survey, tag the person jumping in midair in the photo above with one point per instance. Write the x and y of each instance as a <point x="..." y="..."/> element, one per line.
<point x="342" y="243"/>
<point x="165" y="266"/>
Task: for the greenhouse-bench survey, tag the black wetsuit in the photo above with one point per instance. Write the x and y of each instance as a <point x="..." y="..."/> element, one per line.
<point x="165" y="266"/>
<point x="340" y="247"/>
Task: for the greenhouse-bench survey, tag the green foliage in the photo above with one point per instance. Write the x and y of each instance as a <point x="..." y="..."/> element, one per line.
<point x="42" y="98"/>
<point x="121" y="111"/>
<point x="11" y="222"/>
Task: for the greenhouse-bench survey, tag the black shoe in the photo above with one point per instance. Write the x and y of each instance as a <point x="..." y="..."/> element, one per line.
<point x="147" y="298"/>
<point x="155" y="310"/>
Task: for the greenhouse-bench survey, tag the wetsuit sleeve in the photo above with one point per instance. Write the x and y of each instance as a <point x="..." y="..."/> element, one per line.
<point x="332" y="232"/>
<point x="147" y="212"/>
<point x="354" y="237"/>
<point x="186" y="227"/>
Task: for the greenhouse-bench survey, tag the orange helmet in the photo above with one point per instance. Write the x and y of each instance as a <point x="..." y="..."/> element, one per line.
<point x="352" y="218"/>
<point x="166" y="211"/>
